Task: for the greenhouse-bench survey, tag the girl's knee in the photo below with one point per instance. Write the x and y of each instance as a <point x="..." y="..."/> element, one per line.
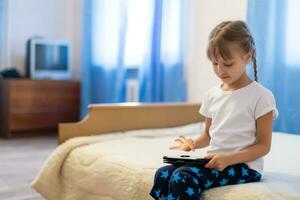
<point x="184" y="183"/>
<point x="181" y="175"/>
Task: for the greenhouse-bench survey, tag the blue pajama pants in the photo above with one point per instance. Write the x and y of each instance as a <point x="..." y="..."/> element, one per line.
<point x="188" y="182"/>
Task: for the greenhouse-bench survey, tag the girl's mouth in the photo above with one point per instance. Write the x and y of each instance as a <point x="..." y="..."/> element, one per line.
<point x="224" y="77"/>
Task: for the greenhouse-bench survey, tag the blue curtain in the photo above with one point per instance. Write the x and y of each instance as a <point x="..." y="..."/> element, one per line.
<point x="274" y="24"/>
<point x="103" y="73"/>
<point x="126" y="38"/>
<point x="162" y="78"/>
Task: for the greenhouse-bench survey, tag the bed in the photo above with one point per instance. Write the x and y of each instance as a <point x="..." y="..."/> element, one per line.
<point x="114" y="152"/>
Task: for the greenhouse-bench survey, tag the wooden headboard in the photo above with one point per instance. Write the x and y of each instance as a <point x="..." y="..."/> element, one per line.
<point x="105" y="118"/>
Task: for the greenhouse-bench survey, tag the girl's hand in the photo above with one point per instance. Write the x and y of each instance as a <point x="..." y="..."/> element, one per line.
<point x="184" y="144"/>
<point x="218" y="161"/>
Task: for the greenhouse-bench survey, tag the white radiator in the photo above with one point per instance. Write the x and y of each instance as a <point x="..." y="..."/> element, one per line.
<point x="132" y="90"/>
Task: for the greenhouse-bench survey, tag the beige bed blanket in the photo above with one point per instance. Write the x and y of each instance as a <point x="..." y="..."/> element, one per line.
<point x="121" y="167"/>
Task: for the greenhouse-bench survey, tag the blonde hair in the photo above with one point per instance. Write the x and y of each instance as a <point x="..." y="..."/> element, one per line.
<point x="231" y="32"/>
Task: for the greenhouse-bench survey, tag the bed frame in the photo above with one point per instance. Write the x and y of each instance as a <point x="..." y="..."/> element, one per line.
<point x="104" y="118"/>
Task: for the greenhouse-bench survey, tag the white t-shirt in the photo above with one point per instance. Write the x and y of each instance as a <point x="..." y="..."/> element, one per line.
<point x="233" y="116"/>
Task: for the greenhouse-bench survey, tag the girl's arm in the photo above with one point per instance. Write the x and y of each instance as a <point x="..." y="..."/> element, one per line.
<point x="204" y="139"/>
<point x="263" y="144"/>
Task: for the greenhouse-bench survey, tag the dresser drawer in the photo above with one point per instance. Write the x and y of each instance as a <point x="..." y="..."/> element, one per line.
<point x="29" y="105"/>
<point x="26" y="94"/>
<point x="40" y="120"/>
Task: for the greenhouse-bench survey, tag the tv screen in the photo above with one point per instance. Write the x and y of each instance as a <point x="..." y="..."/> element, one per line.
<point x="48" y="59"/>
<point x="51" y="57"/>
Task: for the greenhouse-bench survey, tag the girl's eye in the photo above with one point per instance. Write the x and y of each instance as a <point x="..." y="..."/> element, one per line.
<point x="228" y="65"/>
<point x="215" y="64"/>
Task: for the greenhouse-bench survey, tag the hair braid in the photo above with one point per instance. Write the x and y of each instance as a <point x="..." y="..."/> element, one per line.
<point x="254" y="58"/>
<point x="255" y="68"/>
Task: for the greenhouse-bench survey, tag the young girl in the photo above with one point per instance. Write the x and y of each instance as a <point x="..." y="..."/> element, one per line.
<point x="238" y="124"/>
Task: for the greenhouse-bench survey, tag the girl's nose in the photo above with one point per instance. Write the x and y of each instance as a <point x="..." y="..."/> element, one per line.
<point x="219" y="69"/>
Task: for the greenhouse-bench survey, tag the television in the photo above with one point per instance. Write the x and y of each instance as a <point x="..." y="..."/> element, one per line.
<point x="48" y="59"/>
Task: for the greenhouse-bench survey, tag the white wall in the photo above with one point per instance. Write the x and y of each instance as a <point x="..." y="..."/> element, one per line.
<point x="56" y="19"/>
<point x="204" y="16"/>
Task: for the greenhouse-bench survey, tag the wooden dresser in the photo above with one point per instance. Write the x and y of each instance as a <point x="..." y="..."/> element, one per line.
<point x="36" y="106"/>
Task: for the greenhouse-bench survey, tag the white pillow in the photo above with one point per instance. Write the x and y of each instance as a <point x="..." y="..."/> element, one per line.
<point x="189" y="129"/>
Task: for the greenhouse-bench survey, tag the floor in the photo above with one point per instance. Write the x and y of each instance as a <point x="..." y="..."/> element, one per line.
<point x="20" y="161"/>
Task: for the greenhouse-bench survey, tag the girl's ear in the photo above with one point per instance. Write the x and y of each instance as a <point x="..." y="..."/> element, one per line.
<point x="248" y="57"/>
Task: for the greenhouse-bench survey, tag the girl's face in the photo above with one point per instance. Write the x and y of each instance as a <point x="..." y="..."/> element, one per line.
<point x="231" y="70"/>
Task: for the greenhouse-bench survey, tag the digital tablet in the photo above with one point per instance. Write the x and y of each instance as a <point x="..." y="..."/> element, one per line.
<point x="185" y="159"/>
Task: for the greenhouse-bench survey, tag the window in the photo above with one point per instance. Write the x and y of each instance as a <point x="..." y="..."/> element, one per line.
<point x="171" y="30"/>
<point x="106" y="29"/>
<point x="131" y="23"/>
<point x="139" y="31"/>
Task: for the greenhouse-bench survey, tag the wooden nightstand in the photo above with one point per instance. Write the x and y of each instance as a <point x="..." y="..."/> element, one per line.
<point x="35" y="106"/>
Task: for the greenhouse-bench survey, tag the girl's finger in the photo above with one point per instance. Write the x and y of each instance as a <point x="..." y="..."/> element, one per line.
<point x="178" y="141"/>
<point x="187" y="142"/>
<point x="210" y="164"/>
<point x="182" y="141"/>
<point x="174" y="147"/>
<point x="181" y="136"/>
<point x="192" y="142"/>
